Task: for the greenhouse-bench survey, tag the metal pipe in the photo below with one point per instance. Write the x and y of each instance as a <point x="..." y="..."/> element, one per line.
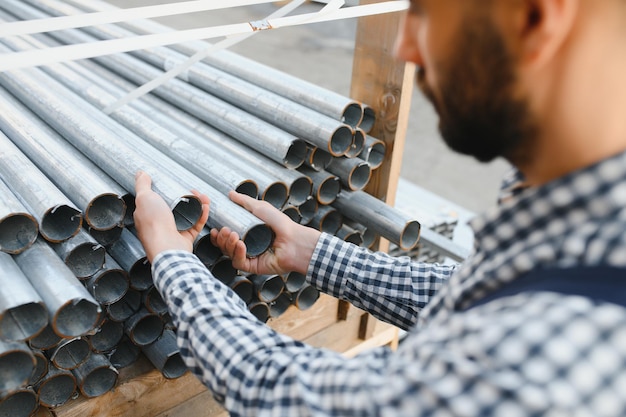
<point x="164" y="354"/>
<point x="369" y="236"/>
<point x="280" y="305"/>
<point x="267" y="287"/>
<point x="293" y="213"/>
<point x="18" y="228"/>
<point x="22" y="310"/>
<point x="143" y="327"/>
<point x="57" y="216"/>
<point x="350" y="235"/>
<point x="390" y="223"/>
<point x="313" y="96"/>
<point x="308" y="209"/>
<point x="373" y="152"/>
<point x="96" y="376"/>
<point x="260" y="310"/>
<point x="83" y="255"/>
<point x="131" y="256"/>
<point x="317" y="159"/>
<point x="17" y="364"/>
<point x="70" y="353"/>
<point x="444" y="246"/>
<point x="243" y="287"/>
<point x="353" y="172"/>
<point x="41" y="367"/>
<point x="369" y="119"/>
<point x="223" y="270"/>
<point x="306" y="297"/>
<point x="89" y="131"/>
<point x="106" y="237"/>
<point x="358" y="143"/>
<point x="294" y="281"/>
<point x="205" y="250"/>
<point x="153" y="301"/>
<point x="125" y="354"/>
<point x="129" y="200"/>
<point x="96" y="194"/>
<point x="123" y="309"/>
<point x="72" y="310"/>
<point x="22" y="402"/>
<point x="46" y="339"/>
<point x="107" y="336"/>
<point x="327" y="219"/>
<point x="326" y="186"/>
<point x="110" y="283"/>
<point x="56" y="388"/>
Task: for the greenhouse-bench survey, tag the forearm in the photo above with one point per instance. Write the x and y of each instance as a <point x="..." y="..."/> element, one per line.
<point x="392" y="289"/>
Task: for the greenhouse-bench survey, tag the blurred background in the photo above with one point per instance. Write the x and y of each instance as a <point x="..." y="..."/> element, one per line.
<point x="322" y="53"/>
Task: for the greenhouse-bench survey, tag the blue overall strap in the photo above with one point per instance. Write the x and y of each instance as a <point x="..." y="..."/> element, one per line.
<point x="598" y="283"/>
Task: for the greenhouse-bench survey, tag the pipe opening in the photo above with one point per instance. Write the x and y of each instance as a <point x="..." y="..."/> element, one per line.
<point x="248" y="188"/>
<point x="129" y="201"/>
<point x="71" y="354"/>
<point x="319" y="159"/>
<point x="276" y="194"/>
<point x="76" y="318"/>
<point x="359" y="176"/>
<point x="352" y="114"/>
<point x="270" y="289"/>
<point x="98" y="382"/>
<point x="140" y="275"/>
<point x="293" y="213"/>
<point x="331" y="222"/>
<point x="358" y="143"/>
<point x="295" y="281"/>
<point x="109" y="286"/>
<point x="106" y="237"/>
<point x="306" y="297"/>
<point x="376" y="155"/>
<point x="46" y="339"/>
<point x="125" y="354"/>
<point x="244" y="288"/>
<point x="128" y="305"/>
<point x="17" y="232"/>
<point x="60" y="223"/>
<point x="280" y="305"/>
<point x="206" y="251"/>
<point x="369" y="119"/>
<point x="22" y="403"/>
<point x="174" y="367"/>
<point x="224" y="271"/>
<point x="56" y="390"/>
<point x="109" y="335"/>
<point x="350" y="235"/>
<point x="23" y="322"/>
<point x="187" y="211"/>
<point x="41" y="368"/>
<point x="105" y="212"/>
<point x="410" y="235"/>
<point x="340" y="141"/>
<point x="296" y="154"/>
<point x="146" y="329"/>
<point x="85" y="259"/>
<point x="17" y="367"/>
<point x="308" y="210"/>
<point x="154" y="302"/>
<point x="260" y="310"/>
<point x="258" y="239"/>
<point x="300" y="190"/>
<point x="328" y="190"/>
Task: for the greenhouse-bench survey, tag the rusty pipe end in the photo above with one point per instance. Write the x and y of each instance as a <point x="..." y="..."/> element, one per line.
<point x="369" y="119"/>
<point x="258" y="239"/>
<point x="410" y="235"/>
<point x="60" y="223"/>
<point x="249" y="188"/>
<point x="358" y="143"/>
<point x="296" y="154"/>
<point x="328" y="190"/>
<point x="276" y="194"/>
<point x="24" y="321"/>
<point x="359" y="177"/>
<point x="340" y="141"/>
<point x="187" y="210"/>
<point x="105" y="212"/>
<point x="18" y="231"/>
<point x="76" y="317"/>
<point x="352" y="114"/>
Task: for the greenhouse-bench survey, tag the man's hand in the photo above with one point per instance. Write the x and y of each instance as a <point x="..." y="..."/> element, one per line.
<point x="155" y="222"/>
<point x="292" y="249"/>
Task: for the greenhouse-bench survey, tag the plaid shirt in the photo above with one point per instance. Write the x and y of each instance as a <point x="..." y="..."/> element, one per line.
<point x="539" y="353"/>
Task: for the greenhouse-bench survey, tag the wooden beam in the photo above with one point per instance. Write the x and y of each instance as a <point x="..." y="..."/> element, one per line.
<point x="385" y="84"/>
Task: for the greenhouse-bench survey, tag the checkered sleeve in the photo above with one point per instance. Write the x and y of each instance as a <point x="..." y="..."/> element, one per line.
<point x="393" y="289"/>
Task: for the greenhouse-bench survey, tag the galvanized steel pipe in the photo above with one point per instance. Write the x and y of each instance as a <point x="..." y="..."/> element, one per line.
<point x="18" y="228"/>
<point x="373" y="151"/>
<point x="317" y="159"/>
<point x="164" y="354"/>
<point x="57" y="216"/>
<point x="83" y="255"/>
<point x="243" y="287"/>
<point x="358" y="143"/>
<point x="143" y="327"/>
<point x="70" y="353"/>
<point x="125" y="354"/>
<point x="326" y="186"/>
<point x="46" y="339"/>
<point x="153" y="302"/>
<point x="130" y="254"/>
<point x="306" y="297"/>
<point x="353" y="172"/>
<point x="56" y="388"/>
<point x="95" y="376"/>
<point x="223" y="270"/>
<point x="123" y="309"/>
<point x="96" y="194"/>
<point x="22" y="310"/>
<point x="16" y="365"/>
<point x="268" y="287"/>
<point x="280" y="305"/>
<point x="107" y="336"/>
<point x="205" y="250"/>
<point x="22" y="402"/>
<point x="41" y="367"/>
<point x="72" y="310"/>
<point x="110" y="283"/>
<point x="327" y="219"/>
<point x="294" y="281"/>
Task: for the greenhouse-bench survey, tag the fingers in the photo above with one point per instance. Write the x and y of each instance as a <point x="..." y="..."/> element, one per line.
<point x="143" y="182"/>
<point x="261" y="209"/>
<point x="227" y="241"/>
<point x="204" y="199"/>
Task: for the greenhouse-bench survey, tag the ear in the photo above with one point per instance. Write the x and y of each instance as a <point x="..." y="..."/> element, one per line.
<point x="544" y="27"/>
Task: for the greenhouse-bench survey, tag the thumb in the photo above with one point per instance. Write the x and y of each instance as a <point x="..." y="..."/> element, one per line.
<point x="143" y="182"/>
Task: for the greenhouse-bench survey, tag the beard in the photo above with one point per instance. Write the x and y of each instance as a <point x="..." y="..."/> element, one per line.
<point x="479" y="115"/>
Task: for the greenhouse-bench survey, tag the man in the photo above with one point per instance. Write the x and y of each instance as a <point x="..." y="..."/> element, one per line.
<point x="541" y="83"/>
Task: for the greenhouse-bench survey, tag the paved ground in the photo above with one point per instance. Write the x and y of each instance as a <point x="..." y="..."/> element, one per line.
<point x="322" y="53"/>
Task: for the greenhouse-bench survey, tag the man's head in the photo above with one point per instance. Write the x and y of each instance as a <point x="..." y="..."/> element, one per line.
<point x="491" y="67"/>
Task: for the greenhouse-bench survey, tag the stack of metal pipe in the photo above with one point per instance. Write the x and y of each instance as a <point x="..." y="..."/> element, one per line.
<point x="82" y="303"/>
